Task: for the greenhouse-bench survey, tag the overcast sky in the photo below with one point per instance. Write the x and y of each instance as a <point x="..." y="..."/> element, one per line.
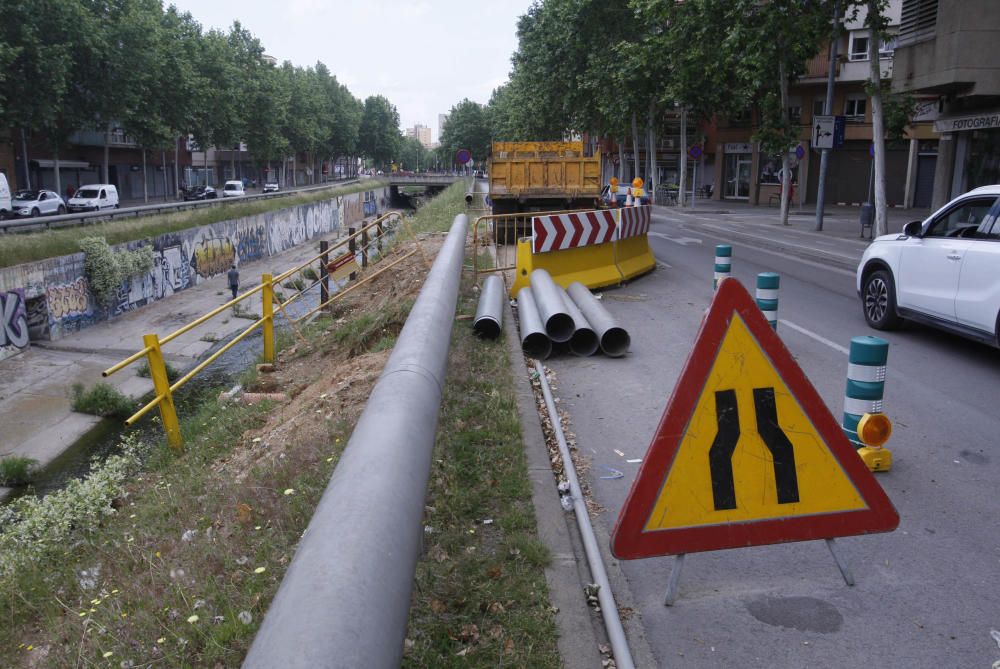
<point x="424" y="55"/>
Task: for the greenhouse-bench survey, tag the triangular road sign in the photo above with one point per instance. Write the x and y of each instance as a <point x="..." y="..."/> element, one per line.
<point x="746" y="452"/>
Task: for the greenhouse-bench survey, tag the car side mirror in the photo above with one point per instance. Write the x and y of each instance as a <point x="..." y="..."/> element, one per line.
<point x="912" y="229"/>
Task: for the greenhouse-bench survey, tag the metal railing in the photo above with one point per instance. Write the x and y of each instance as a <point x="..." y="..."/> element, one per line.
<point x="152" y="349"/>
<point x="345" y="599"/>
<point x="19" y="225"/>
<point x="504" y="256"/>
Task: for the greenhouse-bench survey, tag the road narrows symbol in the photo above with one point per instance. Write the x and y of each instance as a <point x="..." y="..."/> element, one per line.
<point x="720" y="455"/>
<point x="782" y="452"/>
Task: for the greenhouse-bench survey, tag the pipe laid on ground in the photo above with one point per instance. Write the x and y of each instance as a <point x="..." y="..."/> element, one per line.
<point x="584" y="341"/>
<point x="345" y="599"/>
<point x="609" y="610"/>
<point x="489" y="313"/>
<point x="534" y="341"/>
<point x="552" y="309"/>
<point x="614" y="338"/>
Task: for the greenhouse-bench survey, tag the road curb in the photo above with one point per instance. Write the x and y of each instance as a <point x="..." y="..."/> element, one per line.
<point x="580" y="628"/>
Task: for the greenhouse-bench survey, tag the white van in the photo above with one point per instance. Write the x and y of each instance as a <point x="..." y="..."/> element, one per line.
<point x="5" y="210"/>
<point x="233" y="189"/>
<point x="94" y="198"/>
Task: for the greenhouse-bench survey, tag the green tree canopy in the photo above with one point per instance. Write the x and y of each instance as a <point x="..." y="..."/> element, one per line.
<point x="378" y="133"/>
<point x="468" y="128"/>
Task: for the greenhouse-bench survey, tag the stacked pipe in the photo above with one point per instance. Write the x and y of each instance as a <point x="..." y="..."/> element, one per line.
<point x="550" y="315"/>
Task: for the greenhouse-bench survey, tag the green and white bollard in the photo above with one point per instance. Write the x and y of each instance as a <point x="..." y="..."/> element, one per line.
<point x="865" y="389"/>
<point x="723" y="263"/>
<point x="767" y="296"/>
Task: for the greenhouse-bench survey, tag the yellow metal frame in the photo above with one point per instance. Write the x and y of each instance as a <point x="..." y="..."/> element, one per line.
<point x="152" y="349"/>
<point x="511" y="248"/>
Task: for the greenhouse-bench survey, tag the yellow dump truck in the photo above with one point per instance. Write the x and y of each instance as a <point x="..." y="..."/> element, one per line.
<point x="541" y="176"/>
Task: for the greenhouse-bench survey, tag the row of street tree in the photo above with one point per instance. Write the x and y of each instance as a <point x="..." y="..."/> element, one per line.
<point x="619" y="68"/>
<point x="157" y="75"/>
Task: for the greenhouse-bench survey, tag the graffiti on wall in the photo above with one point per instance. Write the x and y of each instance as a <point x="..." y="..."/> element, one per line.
<point x="251" y="242"/>
<point x="70" y="304"/>
<point x="13" y="323"/>
<point x="212" y="256"/>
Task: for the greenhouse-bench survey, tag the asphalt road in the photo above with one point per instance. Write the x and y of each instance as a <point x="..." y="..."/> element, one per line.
<point x="928" y="594"/>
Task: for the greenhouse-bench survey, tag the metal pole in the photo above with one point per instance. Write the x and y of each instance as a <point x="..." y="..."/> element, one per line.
<point x="352" y="246"/>
<point x="267" y="313"/>
<point x="324" y="286"/>
<point x="824" y="158"/>
<point x="161" y="386"/>
<point x="345" y="599"/>
<point x="609" y="610"/>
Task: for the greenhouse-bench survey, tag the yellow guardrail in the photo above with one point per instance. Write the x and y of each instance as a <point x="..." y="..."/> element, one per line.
<point x="504" y="255"/>
<point x="152" y="343"/>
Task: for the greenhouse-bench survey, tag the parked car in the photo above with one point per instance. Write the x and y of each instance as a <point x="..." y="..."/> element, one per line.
<point x="37" y="202"/>
<point x="271" y="187"/>
<point x="200" y="193"/>
<point x="5" y="203"/>
<point x="233" y="189"/>
<point x="943" y="272"/>
<point x="94" y="198"/>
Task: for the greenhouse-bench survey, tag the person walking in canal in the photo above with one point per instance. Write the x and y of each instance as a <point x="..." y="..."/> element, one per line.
<point x="234" y="280"/>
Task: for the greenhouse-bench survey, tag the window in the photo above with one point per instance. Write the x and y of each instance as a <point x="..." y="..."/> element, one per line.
<point x="818" y="106"/>
<point x="854" y="108"/>
<point x="968" y="214"/>
<point x="859" y="48"/>
<point x="795" y="109"/>
<point x="918" y="21"/>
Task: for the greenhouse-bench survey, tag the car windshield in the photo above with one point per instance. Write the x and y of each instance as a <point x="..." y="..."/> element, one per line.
<point x="26" y="195"/>
<point x="233" y="186"/>
<point x="87" y="193"/>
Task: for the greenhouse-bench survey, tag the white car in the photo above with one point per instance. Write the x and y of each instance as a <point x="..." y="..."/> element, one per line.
<point x="943" y="272"/>
<point x="233" y="189"/>
<point x="37" y="202"/>
<point x="94" y="197"/>
<point x="271" y="187"/>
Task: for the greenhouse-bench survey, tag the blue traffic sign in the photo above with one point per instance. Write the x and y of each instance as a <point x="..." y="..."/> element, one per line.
<point x="799" y="152"/>
<point x="695" y="151"/>
<point x="462" y="156"/>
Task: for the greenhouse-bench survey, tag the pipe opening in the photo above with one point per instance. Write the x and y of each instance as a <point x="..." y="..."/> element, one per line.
<point x="584" y="342"/>
<point x="487" y="327"/>
<point x="615" y="342"/>
<point x="537" y="345"/>
<point x="560" y="327"/>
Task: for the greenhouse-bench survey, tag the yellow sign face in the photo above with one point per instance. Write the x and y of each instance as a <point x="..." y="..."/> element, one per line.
<point x="750" y="452"/>
<point x="342" y="267"/>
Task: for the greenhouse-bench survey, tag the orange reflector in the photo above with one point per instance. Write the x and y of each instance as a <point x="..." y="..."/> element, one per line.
<point x="874" y="429"/>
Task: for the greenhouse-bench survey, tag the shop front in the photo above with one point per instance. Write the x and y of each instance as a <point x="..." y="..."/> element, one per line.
<point x="737" y="167"/>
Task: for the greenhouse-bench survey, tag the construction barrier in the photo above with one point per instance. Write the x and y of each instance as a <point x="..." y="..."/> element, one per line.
<point x="597" y="248"/>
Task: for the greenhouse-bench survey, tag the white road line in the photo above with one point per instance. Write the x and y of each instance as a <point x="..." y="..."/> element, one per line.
<point x="809" y="333"/>
<point x="683" y="241"/>
<point x="790" y="258"/>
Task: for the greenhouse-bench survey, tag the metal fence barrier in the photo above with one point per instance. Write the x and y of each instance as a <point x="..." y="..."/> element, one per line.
<point x="345" y="599"/>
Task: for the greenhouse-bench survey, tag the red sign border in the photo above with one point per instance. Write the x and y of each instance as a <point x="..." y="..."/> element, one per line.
<point x="629" y="541"/>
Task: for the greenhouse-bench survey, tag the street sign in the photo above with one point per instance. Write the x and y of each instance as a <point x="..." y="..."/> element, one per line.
<point x="799" y="152"/>
<point x="839" y="127"/>
<point x="746" y="452"/>
<point x="822" y="132"/>
<point x="695" y="151"/>
<point x="462" y="156"/>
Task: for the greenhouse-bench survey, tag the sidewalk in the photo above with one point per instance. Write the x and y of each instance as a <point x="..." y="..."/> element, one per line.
<point x="35" y="386"/>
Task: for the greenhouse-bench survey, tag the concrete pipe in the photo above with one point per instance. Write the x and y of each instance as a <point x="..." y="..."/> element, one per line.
<point x="614" y="339"/>
<point x="489" y="313"/>
<point x="558" y="323"/>
<point x="584" y="341"/>
<point x="534" y="341"/>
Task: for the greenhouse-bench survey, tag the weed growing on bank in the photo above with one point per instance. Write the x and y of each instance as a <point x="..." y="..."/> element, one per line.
<point x="102" y="399"/>
<point x="16" y="470"/>
<point x="172" y="372"/>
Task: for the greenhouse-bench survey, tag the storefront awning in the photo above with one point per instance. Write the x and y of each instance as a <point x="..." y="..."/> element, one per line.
<point x="63" y="164"/>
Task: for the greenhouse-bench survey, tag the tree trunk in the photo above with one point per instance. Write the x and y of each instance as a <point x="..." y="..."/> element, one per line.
<point x="145" y="183"/>
<point x="824" y="160"/>
<point x="24" y="156"/>
<point x="163" y="163"/>
<point x="651" y="156"/>
<point x="682" y="159"/>
<point x="295" y="170"/>
<point x="232" y="160"/>
<point x="205" y="158"/>
<point x="177" y="167"/>
<point x="786" y="169"/>
<point x="878" y="124"/>
<point x="621" y="160"/>
<point x="55" y="165"/>
<point x="107" y="151"/>
<point x="635" y="146"/>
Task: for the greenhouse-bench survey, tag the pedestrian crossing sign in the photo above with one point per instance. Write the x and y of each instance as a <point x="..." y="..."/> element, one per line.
<point x="746" y="452"/>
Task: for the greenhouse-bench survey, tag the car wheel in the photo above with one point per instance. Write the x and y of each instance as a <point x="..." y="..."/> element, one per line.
<point x="879" y="299"/>
<point x="35" y="212"/>
<point x="61" y="210"/>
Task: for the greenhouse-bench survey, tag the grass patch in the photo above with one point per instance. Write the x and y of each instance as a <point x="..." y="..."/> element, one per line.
<point x="31" y="246"/>
<point x="172" y="372"/>
<point x="16" y="470"/>
<point x="373" y="331"/>
<point x="102" y="399"/>
<point x="439" y="212"/>
<point x="310" y="274"/>
<point x="480" y="597"/>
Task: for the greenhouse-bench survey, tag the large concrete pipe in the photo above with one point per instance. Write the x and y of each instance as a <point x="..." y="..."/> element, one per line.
<point x="345" y="599"/>
<point x="584" y="341"/>
<point x="534" y="341"/>
<point x="489" y="313"/>
<point x="614" y="339"/>
<point x="558" y="323"/>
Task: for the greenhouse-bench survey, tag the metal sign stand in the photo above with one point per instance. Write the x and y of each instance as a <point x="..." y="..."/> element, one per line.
<point x="673" y="581"/>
